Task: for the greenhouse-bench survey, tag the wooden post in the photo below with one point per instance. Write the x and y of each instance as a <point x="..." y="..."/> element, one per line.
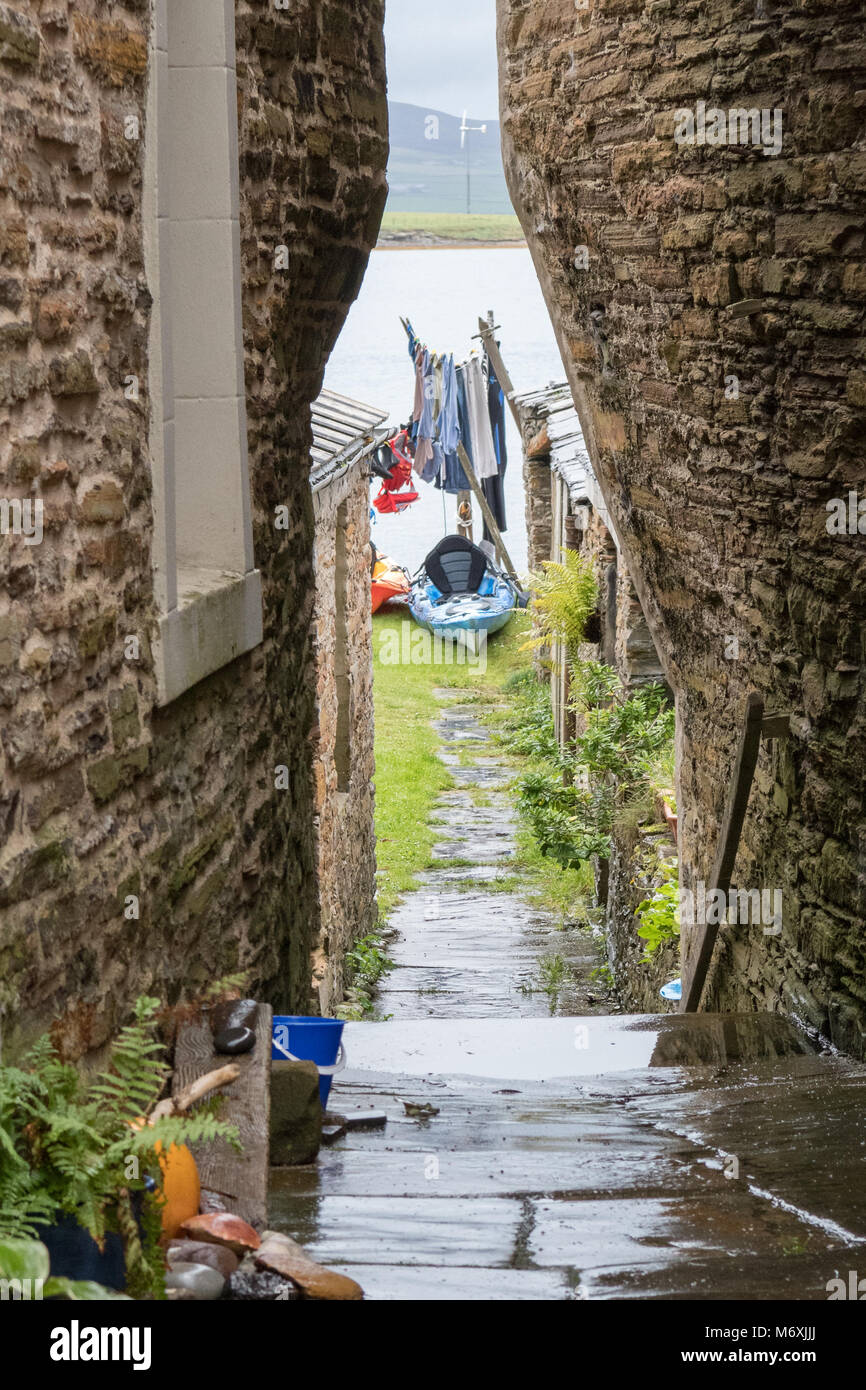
<point x="696" y="966"/>
<point x="464" y="528"/>
<point x="486" y="333"/>
<point x="485" y="511"/>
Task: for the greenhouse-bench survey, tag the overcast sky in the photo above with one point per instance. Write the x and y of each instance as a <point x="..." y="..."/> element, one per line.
<point x="442" y="54"/>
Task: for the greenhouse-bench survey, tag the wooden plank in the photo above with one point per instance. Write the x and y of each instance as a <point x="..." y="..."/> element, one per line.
<point x="485" y="511"/>
<point x="499" y="368"/>
<point x="240" y="1179"/>
<point x="696" y="966"/>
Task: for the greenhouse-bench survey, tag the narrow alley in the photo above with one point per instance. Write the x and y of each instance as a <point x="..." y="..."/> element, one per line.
<point x="432" y="670"/>
<point x="538" y="1149"/>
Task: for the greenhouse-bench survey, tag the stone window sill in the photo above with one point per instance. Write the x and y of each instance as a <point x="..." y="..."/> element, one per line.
<point x="218" y="618"/>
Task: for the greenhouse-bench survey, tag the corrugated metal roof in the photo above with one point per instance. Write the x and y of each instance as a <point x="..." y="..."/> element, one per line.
<point x="569" y="457"/>
<point x="343" y="431"/>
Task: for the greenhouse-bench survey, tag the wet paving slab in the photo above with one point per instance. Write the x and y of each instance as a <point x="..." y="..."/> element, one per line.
<point x="537" y="1148"/>
<point x="484" y="955"/>
<point x="574" y="1178"/>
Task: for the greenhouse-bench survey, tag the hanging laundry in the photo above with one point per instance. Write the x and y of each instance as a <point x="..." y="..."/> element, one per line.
<point x="418" y="404"/>
<point x="396" y="492"/>
<point x="453" y="479"/>
<point x="483" y="456"/>
<point x="458" y="405"/>
<point x="494" y="487"/>
<point x="424" y="440"/>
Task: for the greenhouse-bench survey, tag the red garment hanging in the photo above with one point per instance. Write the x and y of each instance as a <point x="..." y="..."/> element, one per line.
<point x="390" y="498"/>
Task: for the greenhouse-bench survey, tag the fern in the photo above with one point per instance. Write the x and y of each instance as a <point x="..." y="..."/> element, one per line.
<point x="564" y="597"/>
<point x="65" y="1142"/>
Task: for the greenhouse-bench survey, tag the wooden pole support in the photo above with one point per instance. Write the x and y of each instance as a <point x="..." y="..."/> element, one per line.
<point x="486" y="333"/>
<point x="697" y="963"/>
<point x="485" y="511"/>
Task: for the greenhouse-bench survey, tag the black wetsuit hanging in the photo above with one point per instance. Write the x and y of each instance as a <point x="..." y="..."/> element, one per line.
<point x="494" y="487"/>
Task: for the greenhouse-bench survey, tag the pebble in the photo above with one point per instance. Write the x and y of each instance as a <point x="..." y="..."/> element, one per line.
<point x="233" y="1041"/>
<point x="198" y="1283"/>
<point x="218" y="1257"/>
<point x="281" y="1255"/>
<point x="234" y="1013"/>
<point x="222" y="1228"/>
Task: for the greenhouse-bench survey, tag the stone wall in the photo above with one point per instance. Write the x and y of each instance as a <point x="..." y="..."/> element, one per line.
<point x="671" y="269"/>
<point x="344" y="805"/>
<point x="109" y="806"/>
<point x="632" y="879"/>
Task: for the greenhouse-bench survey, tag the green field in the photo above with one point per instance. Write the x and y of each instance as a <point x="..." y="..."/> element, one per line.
<point x="454" y="226"/>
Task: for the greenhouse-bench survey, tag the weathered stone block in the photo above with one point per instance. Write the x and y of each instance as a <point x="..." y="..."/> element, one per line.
<point x="296" y="1113"/>
<point x="19" y="38"/>
<point x="117" y="53"/>
<point x="73" y="375"/>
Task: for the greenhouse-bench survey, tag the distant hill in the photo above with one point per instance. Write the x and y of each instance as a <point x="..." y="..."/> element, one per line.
<point x="427" y="168"/>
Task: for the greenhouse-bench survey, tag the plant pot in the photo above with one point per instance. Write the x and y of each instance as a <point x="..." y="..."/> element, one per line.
<point x="74" y="1254"/>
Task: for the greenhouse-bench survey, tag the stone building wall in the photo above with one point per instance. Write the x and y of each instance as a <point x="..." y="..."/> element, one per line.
<point x="669" y="270"/>
<point x="344" y="805"/>
<point x="538" y="511"/>
<point x="109" y="805"/>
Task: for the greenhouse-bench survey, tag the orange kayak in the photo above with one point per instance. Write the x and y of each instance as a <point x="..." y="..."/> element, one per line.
<point x="388" y="581"/>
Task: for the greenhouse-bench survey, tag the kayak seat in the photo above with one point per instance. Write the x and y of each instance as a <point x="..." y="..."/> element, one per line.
<point x="456" y="566"/>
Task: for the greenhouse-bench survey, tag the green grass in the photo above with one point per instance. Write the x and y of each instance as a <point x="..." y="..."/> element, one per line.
<point x="456" y="226"/>
<point x="565" y="892"/>
<point x="409" y="776"/>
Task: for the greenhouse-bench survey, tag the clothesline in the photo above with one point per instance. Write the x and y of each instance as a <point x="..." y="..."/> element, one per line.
<point x="458" y="404"/>
<point x="411" y="334"/>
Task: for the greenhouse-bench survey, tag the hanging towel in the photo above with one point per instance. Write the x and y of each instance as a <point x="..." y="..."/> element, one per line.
<point x="483" y="451"/>
<point x="455" y="479"/>
<point x="449" y="423"/>
<point x="418" y="403"/>
<point x="424" y="446"/>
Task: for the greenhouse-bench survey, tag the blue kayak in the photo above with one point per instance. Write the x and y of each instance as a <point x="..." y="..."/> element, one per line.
<point x="459" y="591"/>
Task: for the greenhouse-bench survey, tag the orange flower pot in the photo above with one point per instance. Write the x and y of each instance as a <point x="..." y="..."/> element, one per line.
<point x="181" y="1186"/>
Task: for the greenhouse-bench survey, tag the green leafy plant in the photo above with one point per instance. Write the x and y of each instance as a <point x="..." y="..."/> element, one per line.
<point x="68" y="1144"/>
<point x="564" y="597"/>
<point x="660" y="915"/>
<point x="573" y="803"/>
<point x="660" y="771"/>
<point x="593" y="685"/>
<point x="554" y="974"/>
<point x="571" y="823"/>
<point x="603" y="975"/>
<point x="528" y="729"/>
<point x="622" y="737"/>
<point x="25" y="1270"/>
<point x="366" y="963"/>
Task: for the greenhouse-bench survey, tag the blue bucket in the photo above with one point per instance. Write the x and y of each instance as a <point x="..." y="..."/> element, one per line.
<point x="298" y="1037"/>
